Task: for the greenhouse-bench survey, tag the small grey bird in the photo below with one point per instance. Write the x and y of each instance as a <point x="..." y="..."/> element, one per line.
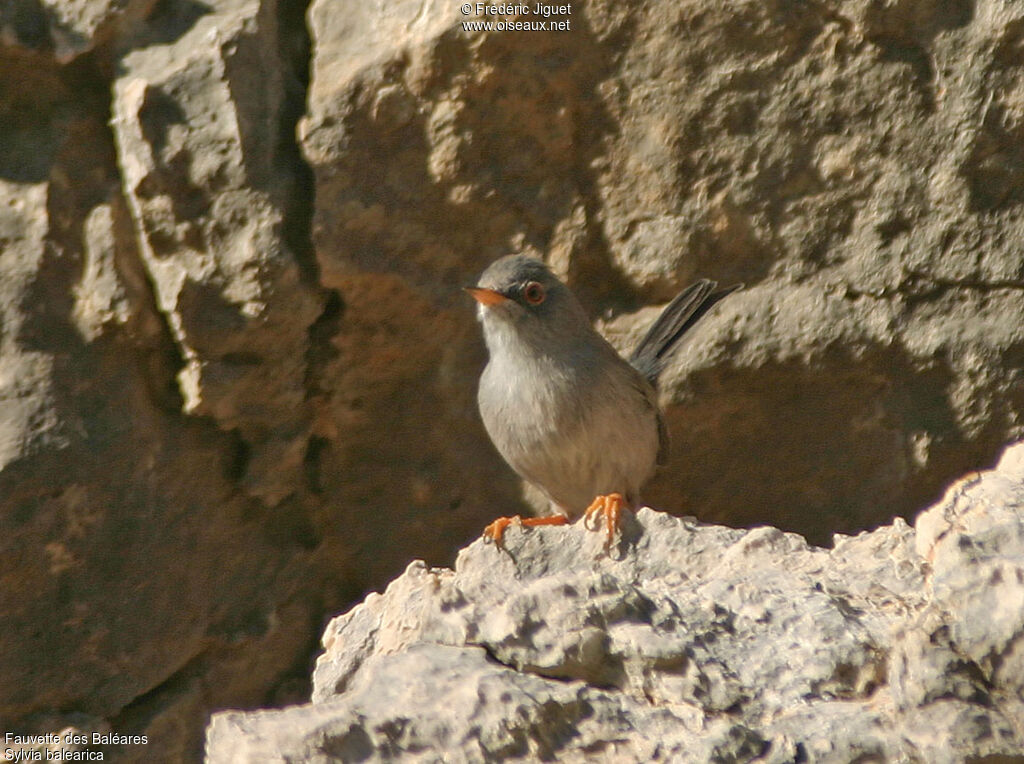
<point x="562" y="407"/>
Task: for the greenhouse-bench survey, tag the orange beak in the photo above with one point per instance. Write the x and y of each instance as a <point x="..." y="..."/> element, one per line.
<point x="486" y="296"/>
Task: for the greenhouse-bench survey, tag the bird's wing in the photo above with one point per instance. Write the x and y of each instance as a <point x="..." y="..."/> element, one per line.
<point x="650" y="396"/>
<point x="663" y="442"/>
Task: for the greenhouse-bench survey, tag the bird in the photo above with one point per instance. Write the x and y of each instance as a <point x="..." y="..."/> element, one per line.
<point x="563" y="408"/>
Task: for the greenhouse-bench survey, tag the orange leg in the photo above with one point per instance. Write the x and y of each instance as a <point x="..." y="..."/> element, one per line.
<point x="496" y="530"/>
<point x="610" y="508"/>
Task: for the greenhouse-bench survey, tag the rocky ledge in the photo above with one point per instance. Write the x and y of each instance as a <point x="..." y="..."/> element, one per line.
<point x="688" y="642"/>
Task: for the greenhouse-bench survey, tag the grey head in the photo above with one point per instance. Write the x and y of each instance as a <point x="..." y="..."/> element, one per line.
<point x="521" y="302"/>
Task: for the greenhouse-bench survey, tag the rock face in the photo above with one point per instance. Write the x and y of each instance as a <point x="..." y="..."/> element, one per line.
<point x="839" y="158"/>
<point x="237" y="375"/>
<point x="691" y="643"/>
<point x="154" y="320"/>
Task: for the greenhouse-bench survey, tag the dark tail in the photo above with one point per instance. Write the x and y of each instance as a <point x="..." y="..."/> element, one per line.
<point x="653" y="351"/>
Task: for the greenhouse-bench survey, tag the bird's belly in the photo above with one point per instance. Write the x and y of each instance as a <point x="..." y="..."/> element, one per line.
<point x="612" y="457"/>
<point x="575" y="447"/>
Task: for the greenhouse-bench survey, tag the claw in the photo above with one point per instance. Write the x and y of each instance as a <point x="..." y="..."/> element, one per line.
<point x="608" y="507"/>
<point x="496" y="531"/>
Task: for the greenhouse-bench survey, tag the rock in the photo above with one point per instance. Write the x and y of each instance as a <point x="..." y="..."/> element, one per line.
<point x="198" y="143"/>
<point x="237" y="373"/>
<point x="690" y="642"/>
<point x="66" y="30"/>
<point x="147" y="570"/>
<point x="798" y="148"/>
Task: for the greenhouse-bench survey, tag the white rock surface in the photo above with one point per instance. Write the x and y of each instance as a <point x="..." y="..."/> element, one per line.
<point x="689" y="643"/>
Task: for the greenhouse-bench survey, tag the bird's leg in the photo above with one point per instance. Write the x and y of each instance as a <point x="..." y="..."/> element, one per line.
<point x="608" y="506"/>
<point x="496" y="530"/>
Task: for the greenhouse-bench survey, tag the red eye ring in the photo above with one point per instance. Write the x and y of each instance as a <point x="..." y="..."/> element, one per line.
<point x="534" y="293"/>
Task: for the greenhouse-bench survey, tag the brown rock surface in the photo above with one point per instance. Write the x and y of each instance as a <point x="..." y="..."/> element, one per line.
<point x="237" y="376"/>
<point x="820" y="153"/>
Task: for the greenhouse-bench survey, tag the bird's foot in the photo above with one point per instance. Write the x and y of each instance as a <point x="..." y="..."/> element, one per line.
<point x="609" y="507"/>
<point x="496" y="531"/>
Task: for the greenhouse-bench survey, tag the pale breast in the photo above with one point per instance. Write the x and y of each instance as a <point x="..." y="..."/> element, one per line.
<point x="573" y="430"/>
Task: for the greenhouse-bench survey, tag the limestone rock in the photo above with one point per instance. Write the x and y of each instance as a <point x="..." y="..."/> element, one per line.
<point x="198" y="146"/>
<point x="65" y="29"/>
<point x="841" y="159"/>
<point x="144" y="573"/>
<point x="237" y="373"/>
<point x="689" y="643"/>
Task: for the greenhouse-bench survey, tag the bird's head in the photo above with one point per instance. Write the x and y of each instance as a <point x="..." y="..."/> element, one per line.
<point x="520" y="299"/>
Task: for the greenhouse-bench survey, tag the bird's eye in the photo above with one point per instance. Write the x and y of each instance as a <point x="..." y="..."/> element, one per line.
<point x="534" y="293"/>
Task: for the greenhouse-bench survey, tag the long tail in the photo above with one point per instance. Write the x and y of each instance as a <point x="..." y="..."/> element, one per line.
<point x="653" y="351"/>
